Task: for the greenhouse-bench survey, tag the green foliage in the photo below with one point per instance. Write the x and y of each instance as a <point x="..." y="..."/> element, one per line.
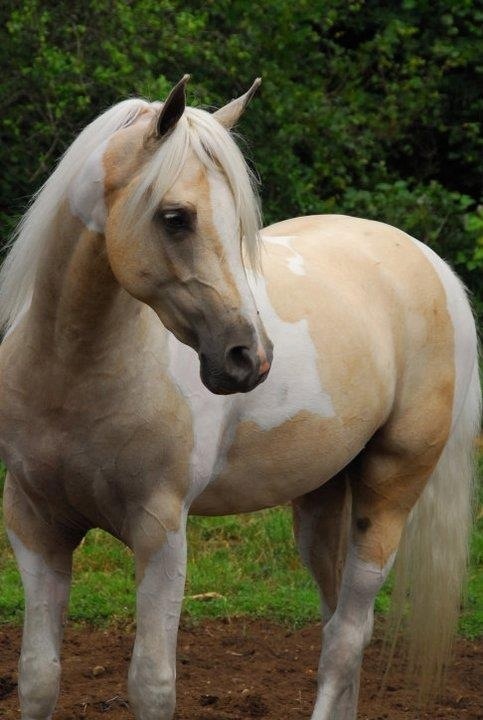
<point x="367" y="107"/>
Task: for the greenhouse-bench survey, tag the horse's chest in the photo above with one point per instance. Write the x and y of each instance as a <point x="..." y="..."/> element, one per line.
<point x="39" y="449"/>
<point x="95" y="466"/>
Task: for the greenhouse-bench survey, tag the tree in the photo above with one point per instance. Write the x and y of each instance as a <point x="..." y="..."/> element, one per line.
<point x="367" y="107"/>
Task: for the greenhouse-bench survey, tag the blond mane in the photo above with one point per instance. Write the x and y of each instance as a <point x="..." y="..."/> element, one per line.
<point x="197" y="130"/>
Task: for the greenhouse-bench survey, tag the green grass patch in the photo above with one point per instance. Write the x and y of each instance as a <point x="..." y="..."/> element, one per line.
<point x="249" y="561"/>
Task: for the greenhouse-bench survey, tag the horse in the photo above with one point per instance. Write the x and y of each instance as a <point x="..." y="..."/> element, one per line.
<point x="163" y="356"/>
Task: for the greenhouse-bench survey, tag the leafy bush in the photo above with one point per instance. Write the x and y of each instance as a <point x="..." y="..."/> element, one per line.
<point x="367" y="107"/>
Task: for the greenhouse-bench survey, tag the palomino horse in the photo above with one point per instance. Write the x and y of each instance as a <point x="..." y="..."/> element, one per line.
<point x="126" y="282"/>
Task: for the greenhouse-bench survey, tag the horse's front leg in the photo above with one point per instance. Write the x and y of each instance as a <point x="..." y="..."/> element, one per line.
<point x="161" y="573"/>
<point x="44" y="558"/>
<point x="46" y="584"/>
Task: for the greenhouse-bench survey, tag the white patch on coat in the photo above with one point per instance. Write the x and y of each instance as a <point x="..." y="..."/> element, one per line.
<point x="463" y="325"/>
<point x="163" y="581"/>
<point x="86" y="192"/>
<point x="208" y="411"/>
<point x="225" y="220"/>
<point x="293" y="385"/>
<point x="296" y="262"/>
<point x="36" y="573"/>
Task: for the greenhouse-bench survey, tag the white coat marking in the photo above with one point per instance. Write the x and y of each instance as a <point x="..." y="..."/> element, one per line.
<point x="208" y="412"/>
<point x="46" y="593"/>
<point x="163" y="581"/>
<point x="295" y="262"/>
<point x="152" y="672"/>
<point x="227" y="226"/>
<point x="293" y="385"/>
<point x="347" y="634"/>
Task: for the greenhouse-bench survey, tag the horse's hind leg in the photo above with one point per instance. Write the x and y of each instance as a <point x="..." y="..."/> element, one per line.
<point x="322" y="523"/>
<point x="321" y="527"/>
<point x="386" y="481"/>
<point x="44" y="560"/>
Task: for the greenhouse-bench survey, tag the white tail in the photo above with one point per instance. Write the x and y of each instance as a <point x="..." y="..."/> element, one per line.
<point x="432" y="560"/>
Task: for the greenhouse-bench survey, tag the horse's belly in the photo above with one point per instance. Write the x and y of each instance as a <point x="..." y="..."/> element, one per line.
<point x="263" y="468"/>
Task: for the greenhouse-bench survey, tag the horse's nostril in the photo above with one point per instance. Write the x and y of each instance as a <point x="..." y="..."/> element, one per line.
<point x="240" y="369"/>
<point x="239" y="362"/>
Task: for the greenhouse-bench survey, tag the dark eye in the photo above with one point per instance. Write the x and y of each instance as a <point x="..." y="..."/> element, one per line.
<point x="175" y="219"/>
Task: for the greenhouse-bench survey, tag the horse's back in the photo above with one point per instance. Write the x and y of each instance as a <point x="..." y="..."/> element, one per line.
<point x="370" y="294"/>
<point x="379" y="279"/>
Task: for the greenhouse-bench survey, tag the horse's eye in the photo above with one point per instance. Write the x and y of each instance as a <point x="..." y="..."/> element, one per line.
<point x="175" y="220"/>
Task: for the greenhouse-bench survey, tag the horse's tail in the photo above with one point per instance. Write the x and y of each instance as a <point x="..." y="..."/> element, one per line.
<point x="432" y="562"/>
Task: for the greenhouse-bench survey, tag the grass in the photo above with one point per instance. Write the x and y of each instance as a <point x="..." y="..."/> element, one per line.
<point x="249" y="562"/>
<point x="471" y="622"/>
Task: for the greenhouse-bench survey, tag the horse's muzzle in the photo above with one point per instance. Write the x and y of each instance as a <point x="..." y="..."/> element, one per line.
<point x="240" y="369"/>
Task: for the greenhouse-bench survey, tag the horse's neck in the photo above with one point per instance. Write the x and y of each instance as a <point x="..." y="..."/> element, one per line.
<point x="79" y="311"/>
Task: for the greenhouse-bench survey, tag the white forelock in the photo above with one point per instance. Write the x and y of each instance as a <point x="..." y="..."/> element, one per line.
<point x="199" y="131"/>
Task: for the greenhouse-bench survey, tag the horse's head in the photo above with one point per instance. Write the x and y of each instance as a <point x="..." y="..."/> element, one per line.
<point x="181" y="210"/>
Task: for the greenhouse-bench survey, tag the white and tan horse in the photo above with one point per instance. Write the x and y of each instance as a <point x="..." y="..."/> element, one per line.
<point x="125" y="284"/>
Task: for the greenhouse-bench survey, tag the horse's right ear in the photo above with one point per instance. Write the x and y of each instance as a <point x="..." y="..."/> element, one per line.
<point x="173" y="108"/>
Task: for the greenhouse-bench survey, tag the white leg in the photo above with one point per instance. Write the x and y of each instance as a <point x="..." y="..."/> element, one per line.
<point x="345" y="638"/>
<point x="46" y="585"/>
<point x="385" y="484"/>
<point x="152" y="675"/>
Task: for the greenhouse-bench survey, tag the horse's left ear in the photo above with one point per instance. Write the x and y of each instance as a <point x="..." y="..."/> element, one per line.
<point x="229" y="114"/>
<point x="173" y="108"/>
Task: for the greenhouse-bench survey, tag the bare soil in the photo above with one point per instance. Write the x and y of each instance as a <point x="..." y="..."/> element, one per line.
<point x="235" y="671"/>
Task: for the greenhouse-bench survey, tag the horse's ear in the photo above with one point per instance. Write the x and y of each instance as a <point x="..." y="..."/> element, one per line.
<point x="229" y="114"/>
<point x="173" y="108"/>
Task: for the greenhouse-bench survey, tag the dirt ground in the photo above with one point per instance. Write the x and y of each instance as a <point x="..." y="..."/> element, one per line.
<point x="234" y="671"/>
